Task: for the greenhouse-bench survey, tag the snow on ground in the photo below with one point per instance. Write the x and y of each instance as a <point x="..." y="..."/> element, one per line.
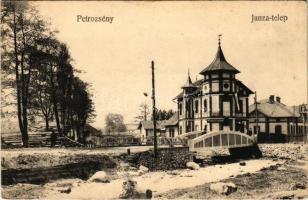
<point x="160" y="182"/>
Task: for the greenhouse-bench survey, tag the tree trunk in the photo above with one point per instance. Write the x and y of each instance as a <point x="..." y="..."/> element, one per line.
<point x="25" y="137"/>
<point x="46" y="123"/>
<point x="20" y="116"/>
<point x="55" y="108"/>
<point x="54" y="101"/>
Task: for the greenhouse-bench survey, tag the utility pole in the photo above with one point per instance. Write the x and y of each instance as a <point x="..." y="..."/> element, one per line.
<point x="303" y="113"/>
<point x="154" y="111"/>
<point x="256" y="115"/>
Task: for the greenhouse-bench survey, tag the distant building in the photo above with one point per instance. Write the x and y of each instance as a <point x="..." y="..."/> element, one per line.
<point x="165" y="128"/>
<point x="170" y="126"/>
<point x="298" y="130"/>
<point x="219" y="101"/>
<point x="274" y="120"/>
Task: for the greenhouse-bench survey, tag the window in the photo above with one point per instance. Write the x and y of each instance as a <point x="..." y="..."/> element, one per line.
<point x="171" y="134"/>
<point x="205" y="128"/>
<point x="196" y="106"/>
<point x="225" y="75"/>
<point x="205" y="105"/>
<point x="226" y="108"/>
<point x="278" y="129"/>
<point x="215" y="86"/>
<point x="205" y="88"/>
<point x="226" y="85"/>
<point x="180" y="130"/>
<point x="180" y="108"/>
<point x="214" y="76"/>
<point x="256" y="129"/>
<point x="240" y="103"/>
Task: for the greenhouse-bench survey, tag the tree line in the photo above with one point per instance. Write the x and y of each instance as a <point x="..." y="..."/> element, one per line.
<point x="37" y="68"/>
<point x="160" y="114"/>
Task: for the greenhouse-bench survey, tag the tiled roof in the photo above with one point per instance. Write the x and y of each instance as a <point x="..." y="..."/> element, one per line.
<point x="219" y="64"/>
<point x="275" y="109"/>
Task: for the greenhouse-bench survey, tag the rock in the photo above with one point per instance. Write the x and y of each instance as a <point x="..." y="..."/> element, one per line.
<point x="281" y="169"/>
<point x="133" y="173"/>
<point x="243" y="163"/>
<point x="298" y="186"/>
<point x="129" y="189"/>
<point x="192" y="165"/>
<point x="143" y="168"/>
<point x="173" y="172"/>
<point x="100" y="176"/>
<point x="132" y="168"/>
<point x="76" y="184"/>
<point x="223" y="188"/>
<point x="65" y="190"/>
<point x="140" y="172"/>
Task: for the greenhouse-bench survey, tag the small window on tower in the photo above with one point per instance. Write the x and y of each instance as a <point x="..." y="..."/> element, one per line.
<point x="226" y="85"/>
<point x="205" y="105"/>
<point x="180" y="108"/>
<point x="196" y="106"/>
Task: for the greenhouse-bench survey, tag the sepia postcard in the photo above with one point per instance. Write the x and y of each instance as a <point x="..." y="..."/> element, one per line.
<point x="154" y="100"/>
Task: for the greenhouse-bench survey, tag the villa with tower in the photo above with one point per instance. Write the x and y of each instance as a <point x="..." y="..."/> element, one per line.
<point x="216" y="102"/>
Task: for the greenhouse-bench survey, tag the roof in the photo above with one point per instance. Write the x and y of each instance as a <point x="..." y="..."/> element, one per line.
<point x="275" y="109"/>
<point x="188" y="83"/>
<point x="149" y="124"/>
<point x="219" y="63"/>
<point x="131" y="127"/>
<point x="244" y="86"/>
<point x="197" y="83"/>
<point x="172" y="121"/>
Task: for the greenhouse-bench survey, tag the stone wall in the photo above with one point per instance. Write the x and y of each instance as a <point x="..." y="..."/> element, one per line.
<point x="39" y="175"/>
<point x="168" y="158"/>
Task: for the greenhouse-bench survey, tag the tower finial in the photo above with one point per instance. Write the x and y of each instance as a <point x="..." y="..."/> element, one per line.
<point x="219" y="38"/>
<point x="188" y="72"/>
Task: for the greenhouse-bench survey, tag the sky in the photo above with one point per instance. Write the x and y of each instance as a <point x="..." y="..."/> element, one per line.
<point x="116" y="57"/>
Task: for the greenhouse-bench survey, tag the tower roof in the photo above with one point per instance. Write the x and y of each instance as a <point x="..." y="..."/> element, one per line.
<point x="220" y="63"/>
<point x="188" y="83"/>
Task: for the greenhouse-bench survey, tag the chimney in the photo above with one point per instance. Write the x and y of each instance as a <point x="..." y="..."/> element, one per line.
<point x="278" y="99"/>
<point x="272" y="99"/>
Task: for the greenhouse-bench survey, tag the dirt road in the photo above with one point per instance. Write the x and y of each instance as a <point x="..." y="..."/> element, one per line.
<point x="272" y="177"/>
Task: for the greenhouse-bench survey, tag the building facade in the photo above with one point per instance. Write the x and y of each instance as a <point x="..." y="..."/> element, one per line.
<point x="217" y="102"/>
<point x="275" y="121"/>
<point x="164" y="129"/>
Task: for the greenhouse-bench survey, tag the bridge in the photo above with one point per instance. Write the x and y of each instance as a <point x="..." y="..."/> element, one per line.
<point x="218" y="139"/>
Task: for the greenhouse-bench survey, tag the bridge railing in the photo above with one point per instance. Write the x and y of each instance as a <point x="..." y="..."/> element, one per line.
<point x="221" y="139"/>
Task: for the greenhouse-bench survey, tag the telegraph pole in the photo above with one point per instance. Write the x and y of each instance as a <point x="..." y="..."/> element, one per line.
<point x="303" y="113"/>
<point x="256" y="115"/>
<point x="154" y="111"/>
